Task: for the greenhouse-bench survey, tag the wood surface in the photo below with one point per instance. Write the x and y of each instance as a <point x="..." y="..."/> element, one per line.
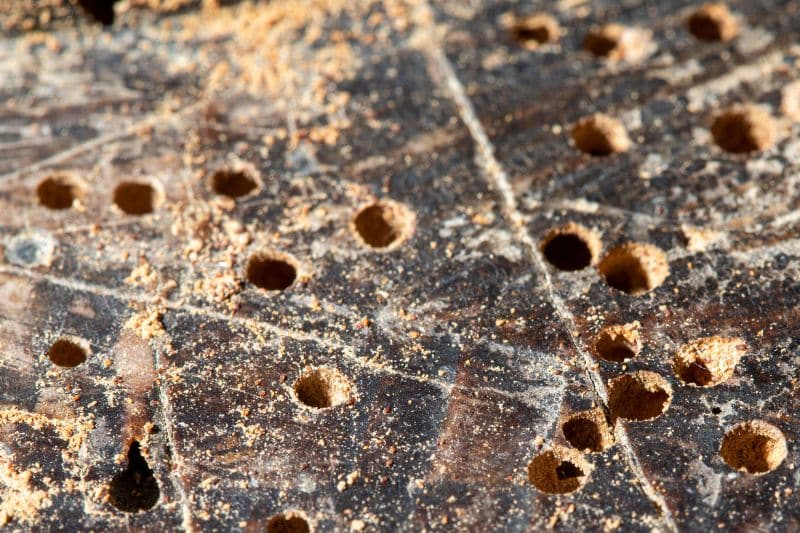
<point x="250" y="354"/>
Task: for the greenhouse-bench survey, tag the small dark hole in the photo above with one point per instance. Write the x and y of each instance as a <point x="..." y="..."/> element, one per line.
<point x="697" y="373"/>
<point x="135" y="489"/>
<point x="628" y="276"/>
<point x="68" y="353"/>
<point x="135" y="198"/>
<point x="233" y="183"/>
<point x="618" y="354"/>
<point x="322" y="388"/>
<point x="271" y="273"/>
<point x="716" y="410"/>
<point x="744" y="129"/>
<point x="57" y="192"/>
<point x="538" y="34"/>
<point x="535" y="30"/>
<point x="713" y="22"/>
<point x="287" y="524"/>
<point x="313" y="398"/>
<point x="101" y="10"/>
<point x="567" y="470"/>
<point x="600" y="44"/>
<point x="614" y="347"/>
<point x="313" y="391"/>
<point x="568" y="252"/>
<point x="583" y="434"/>
<point x="373" y="225"/>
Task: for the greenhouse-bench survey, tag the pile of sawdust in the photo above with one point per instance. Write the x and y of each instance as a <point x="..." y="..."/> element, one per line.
<point x="709" y="361"/>
<point x="618" y="342"/>
<point x="559" y="470"/>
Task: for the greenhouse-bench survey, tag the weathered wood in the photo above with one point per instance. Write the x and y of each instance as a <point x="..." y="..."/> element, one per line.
<point x="161" y="174"/>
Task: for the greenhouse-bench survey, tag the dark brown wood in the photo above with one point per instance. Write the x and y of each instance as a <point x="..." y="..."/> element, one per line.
<point x="394" y="169"/>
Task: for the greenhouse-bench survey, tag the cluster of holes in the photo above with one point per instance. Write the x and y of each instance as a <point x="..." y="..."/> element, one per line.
<point x="634" y="268"/>
<point x="755" y="447"/>
<point x="740" y="130"/>
<point x="710" y="22"/>
<point x="381" y="225"/>
<point x="292" y="522"/>
<point x="67" y="352"/>
<point x="62" y="191"/>
<point x="322" y="388"/>
<point x="135" y="488"/>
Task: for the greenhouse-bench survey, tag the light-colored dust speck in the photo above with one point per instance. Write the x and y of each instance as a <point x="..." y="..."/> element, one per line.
<point x="700" y="239"/>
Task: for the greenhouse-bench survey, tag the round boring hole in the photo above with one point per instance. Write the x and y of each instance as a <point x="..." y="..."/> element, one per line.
<point x="136" y="197"/>
<point x="535" y="30"/>
<point x="67" y="352"/>
<point x="59" y="191"/>
<point x="571" y="247"/>
<point x="558" y="470"/>
<point x="588" y="431"/>
<point x="291" y="522"/>
<point x="600" y="135"/>
<point x="233" y="183"/>
<point x="743" y="129"/>
<point x="322" y="388"/>
<point x="635" y="268"/>
<point x="383" y="224"/>
<point x="754" y="447"/>
<point x="641" y="395"/>
<point x="615" y="42"/>
<point x="271" y="271"/>
<point x="619" y="342"/>
<point x="708" y="361"/>
<point x="712" y="22"/>
<point x="605" y="41"/>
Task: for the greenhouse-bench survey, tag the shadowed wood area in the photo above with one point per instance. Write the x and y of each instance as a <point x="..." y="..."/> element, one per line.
<point x="399" y="265"/>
